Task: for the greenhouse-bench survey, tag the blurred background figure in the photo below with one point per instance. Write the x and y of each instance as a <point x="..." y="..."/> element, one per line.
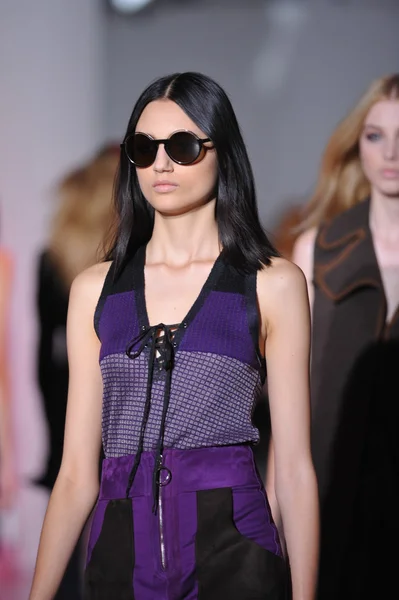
<point x="76" y="241"/>
<point x="7" y="447"/>
<point x="349" y="252"/>
<point x="8" y="476"/>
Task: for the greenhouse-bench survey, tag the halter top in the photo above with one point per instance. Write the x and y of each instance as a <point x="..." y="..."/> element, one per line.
<point x="186" y="386"/>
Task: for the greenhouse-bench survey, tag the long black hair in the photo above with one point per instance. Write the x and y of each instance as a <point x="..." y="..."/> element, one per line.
<point x="244" y="242"/>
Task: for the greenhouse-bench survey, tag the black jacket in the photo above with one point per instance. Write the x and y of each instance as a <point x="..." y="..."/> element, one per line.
<point x="355" y="403"/>
<point x="52" y="363"/>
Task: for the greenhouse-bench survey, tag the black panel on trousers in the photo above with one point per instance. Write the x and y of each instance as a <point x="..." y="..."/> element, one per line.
<point x="228" y="564"/>
<point x="109" y="574"/>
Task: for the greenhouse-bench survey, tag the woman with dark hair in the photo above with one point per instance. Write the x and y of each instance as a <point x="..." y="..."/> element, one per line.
<point x="168" y="340"/>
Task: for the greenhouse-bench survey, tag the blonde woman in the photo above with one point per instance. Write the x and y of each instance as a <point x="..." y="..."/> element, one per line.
<point x="349" y="252"/>
<point x="79" y="232"/>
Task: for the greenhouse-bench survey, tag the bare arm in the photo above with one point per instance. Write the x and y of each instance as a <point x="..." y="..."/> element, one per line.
<point x="76" y="487"/>
<point x="270" y="485"/>
<point x="286" y="317"/>
<point x="302" y="255"/>
<point x="7" y="455"/>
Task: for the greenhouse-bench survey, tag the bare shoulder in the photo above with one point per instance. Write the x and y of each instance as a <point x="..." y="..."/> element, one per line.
<point x="302" y="253"/>
<point x="6" y="263"/>
<point x="303" y="248"/>
<point x="89" y="283"/>
<point x="282" y="293"/>
<point x="306" y="239"/>
<point x="280" y="278"/>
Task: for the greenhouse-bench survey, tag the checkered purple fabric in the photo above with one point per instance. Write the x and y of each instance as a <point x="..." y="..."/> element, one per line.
<point x="215" y="382"/>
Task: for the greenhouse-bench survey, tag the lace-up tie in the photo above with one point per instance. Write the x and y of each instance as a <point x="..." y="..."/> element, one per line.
<point x="159" y="339"/>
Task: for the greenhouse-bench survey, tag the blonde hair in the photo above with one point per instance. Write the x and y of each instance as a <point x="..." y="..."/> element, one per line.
<point x="85" y="219"/>
<point x="342" y="183"/>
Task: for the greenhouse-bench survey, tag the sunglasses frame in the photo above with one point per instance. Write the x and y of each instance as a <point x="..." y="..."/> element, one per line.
<point x="201" y="142"/>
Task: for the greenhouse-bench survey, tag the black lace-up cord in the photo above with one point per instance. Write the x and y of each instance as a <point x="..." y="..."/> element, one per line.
<point x="168" y="365"/>
<point x="144" y="338"/>
<point x="165" y="346"/>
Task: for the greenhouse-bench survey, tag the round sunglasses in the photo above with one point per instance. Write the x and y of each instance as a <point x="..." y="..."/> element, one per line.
<point x="183" y="147"/>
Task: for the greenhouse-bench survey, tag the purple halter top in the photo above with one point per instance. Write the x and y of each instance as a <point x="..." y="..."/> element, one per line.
<point x="190" y="387"/>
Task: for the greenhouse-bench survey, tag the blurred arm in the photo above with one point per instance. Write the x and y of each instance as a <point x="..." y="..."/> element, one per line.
<point x="7" y="458"/>
<point x="302" y="256"/>
<point x="271" y="490"/>
<point x="76" y="487"/>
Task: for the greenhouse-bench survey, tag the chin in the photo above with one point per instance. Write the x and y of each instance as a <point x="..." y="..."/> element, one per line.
<point x="170" y="206"/>
<point x="390" y="190"/>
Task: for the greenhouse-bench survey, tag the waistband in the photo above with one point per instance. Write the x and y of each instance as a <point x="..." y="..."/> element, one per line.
<point x="183" y="471"/>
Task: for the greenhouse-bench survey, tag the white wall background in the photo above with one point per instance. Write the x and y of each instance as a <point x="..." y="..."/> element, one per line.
<point x="291" y="67"/>
<point x="70" y="73"/>
<point x="51" y="117"/>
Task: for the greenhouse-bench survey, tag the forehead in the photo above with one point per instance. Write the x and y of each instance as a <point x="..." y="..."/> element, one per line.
<point x="162" y="117"/>
<point x="384" y="114"/>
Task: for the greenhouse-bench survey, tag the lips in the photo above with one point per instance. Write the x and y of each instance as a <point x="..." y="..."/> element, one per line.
<point x="163" y="186"/>
<point x="390" y="173"/>
<point x="164" y="182"/>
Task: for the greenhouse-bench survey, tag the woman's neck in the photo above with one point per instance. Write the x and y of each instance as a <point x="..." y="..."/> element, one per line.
<point x="180" y="239"/>
<point x="384" y="217"/>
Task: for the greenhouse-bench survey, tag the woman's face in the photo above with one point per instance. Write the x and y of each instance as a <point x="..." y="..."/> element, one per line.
<point x="174" y="189"/>
<point x="379" y="147"/>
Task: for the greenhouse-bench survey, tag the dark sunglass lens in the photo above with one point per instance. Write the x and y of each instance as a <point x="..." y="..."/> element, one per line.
<point x="183" y="147"/>
<point x="141" y="150"/>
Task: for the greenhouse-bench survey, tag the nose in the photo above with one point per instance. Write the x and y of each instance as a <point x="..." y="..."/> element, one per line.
<point x="162" y="161"/>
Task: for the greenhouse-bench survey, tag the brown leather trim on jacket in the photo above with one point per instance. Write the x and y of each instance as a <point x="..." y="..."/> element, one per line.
<point x="350" y="262"/>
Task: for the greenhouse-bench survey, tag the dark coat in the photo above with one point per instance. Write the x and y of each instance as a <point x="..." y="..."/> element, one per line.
<point x="52" y="363"/>
<point x="355" y="404"/>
